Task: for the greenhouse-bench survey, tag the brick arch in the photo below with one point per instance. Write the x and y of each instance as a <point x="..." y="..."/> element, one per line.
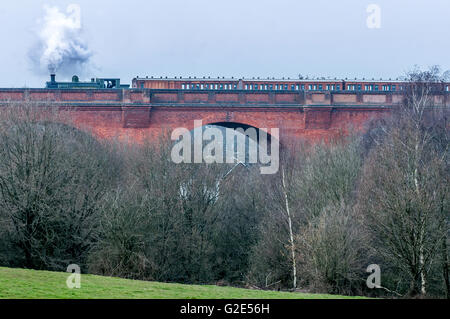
<point x="245" y="126"/>
<point x="269" y="147"/>
<point x="170" y="118"/>
<point x="254" y="119"/>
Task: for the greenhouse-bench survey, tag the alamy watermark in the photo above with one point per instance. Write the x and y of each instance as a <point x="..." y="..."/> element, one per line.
<point x="190" y="146"/>
<point x="73" y="280"/>
<point x="374" y="18"/>
<point x="374" y="279"/>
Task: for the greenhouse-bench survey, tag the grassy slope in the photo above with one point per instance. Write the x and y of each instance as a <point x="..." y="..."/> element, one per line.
<point x="22" y="283"/>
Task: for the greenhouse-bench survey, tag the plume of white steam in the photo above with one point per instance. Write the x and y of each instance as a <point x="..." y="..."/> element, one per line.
<point x="61" y="47"/>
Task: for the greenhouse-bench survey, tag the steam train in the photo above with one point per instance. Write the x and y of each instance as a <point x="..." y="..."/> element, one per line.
<point x="253" y="84"/>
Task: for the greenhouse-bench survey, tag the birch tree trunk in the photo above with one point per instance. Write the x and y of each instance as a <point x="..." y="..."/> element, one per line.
<point x="422" y="218"/>
<point x="291" y="235"/>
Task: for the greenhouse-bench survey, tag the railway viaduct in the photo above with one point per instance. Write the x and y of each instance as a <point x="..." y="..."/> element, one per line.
<point x="138" y="114"/>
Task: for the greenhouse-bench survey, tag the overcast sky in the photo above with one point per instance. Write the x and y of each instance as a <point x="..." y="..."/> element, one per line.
<point x="236" y="38"/>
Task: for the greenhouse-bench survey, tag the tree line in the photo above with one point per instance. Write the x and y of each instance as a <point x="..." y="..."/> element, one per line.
<point x="117" y="209"/>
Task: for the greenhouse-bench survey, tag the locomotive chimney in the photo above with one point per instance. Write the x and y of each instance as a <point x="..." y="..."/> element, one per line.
<point x="52" y="78"/>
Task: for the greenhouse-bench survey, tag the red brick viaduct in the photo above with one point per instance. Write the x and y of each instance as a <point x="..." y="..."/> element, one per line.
<point x="145" y="113"/>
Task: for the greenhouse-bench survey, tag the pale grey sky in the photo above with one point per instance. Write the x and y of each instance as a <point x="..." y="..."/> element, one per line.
<point x="236" y="38"/>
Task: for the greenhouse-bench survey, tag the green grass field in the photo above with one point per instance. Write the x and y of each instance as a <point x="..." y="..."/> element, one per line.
<point x="23" y="283"/>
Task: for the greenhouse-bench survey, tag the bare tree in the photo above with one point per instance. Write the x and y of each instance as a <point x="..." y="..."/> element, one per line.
<point x="332" y="250"/>
<point x="311" y="178"/>
<point x="405" y="185"/>
<point x="52" y="179"/>
<point x="165" y="221"/>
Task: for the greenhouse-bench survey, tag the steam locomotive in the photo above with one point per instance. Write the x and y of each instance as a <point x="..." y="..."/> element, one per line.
<point x="95" y="83"/>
